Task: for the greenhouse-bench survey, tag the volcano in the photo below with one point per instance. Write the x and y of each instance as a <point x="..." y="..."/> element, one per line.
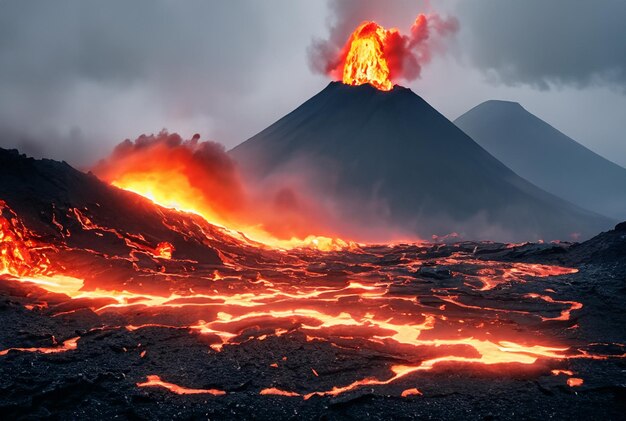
<point x="548" y="158"/>
<point x="388" y="158"/>
<point x="163" y="284"/>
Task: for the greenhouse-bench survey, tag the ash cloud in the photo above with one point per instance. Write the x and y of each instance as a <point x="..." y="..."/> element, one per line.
<point x="204" y="165"/>
<point x="406" y="54"/>
<point x="210" y="182"/>
<point x="112" y="69"/>
<point x="539" y="43"/>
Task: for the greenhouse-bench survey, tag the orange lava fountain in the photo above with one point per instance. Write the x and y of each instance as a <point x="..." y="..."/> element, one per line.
<point x="366" y="61"/>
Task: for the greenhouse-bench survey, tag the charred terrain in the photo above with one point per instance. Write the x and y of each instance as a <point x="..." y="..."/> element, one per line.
<point x="112" y="306"/>
<point x="390" y="156"/>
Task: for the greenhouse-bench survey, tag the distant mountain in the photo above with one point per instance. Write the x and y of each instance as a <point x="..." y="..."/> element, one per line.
<point x="390" y="158"/>
<point x="546" y="157"/>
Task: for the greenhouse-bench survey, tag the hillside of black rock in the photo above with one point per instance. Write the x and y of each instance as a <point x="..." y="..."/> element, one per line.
<point x="99" y="324"/>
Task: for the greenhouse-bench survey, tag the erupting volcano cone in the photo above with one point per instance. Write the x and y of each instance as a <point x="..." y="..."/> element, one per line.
<point x="388" y="157"/>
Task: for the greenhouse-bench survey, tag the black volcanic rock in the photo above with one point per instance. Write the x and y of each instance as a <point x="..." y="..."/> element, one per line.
<point x="546" y="157"/>
<point x="434" y="272"/>
<point x="605" y="248"/>
<point x="621" y="227"/>
<point x="43" y="191"/>
<point x="392" y="157"/>
<point x="443" y="287"/>
<point x="100" y="233"/>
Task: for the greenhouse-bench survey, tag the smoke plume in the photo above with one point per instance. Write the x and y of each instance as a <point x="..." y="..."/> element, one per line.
<point x="406" y="54"/>
<point x="153" y="162"/>
<point x="200" y="177"/>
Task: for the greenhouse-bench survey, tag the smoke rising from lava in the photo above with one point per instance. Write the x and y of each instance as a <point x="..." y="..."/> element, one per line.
<point x="172" y="170"/>
<point x="405" y="54"/>
<point x="200" y="177"/>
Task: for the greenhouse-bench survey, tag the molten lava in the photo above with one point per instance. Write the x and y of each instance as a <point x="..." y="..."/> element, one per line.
<point x="67" y="345"/>
<point x="411" y="392"/>
<point x="380" y="56"/>
<point x="164" y="250"/>
<point x="366" y="61"/>
<point x="155" y="381"/>
<point x="574" y="382"/>
<point x="372" y="298"/>
<point x="200" y="178"/>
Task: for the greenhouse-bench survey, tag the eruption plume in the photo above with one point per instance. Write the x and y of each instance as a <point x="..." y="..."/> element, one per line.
<point x="199" y="177"/>
<point x="380" y="56"/>
<point x="366" y="61"/>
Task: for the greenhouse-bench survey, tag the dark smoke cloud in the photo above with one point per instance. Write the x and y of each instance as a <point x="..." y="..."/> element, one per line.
<point x="205" y="165"/>
<point x="111" y="69"/>
<point x="537" y="42"/>
<point x="203" y="176"/>
<point x="78" y="75"/>
<point x="406" y="54"/>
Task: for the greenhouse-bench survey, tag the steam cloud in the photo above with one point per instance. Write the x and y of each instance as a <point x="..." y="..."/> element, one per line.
<point x="203" y="175"/>
<point x="571" y="43"/>
<point x="406" y="54"/>
<point x="205" y="165"/>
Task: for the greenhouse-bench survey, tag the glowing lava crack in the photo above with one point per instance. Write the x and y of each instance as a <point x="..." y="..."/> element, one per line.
<point x="391" y="309"/>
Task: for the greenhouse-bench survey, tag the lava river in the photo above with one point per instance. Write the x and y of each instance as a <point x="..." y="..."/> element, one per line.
<point x="426" y="307"/>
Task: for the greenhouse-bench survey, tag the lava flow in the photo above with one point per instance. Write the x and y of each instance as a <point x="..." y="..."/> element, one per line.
<point x="199" y="177"/>
<point x="419" y="308"/>
<point x="155" y="381"/>
<point x="428" y="306"/>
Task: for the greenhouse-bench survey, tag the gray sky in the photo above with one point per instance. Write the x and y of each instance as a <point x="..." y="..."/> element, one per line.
<point x="79" y="76"/>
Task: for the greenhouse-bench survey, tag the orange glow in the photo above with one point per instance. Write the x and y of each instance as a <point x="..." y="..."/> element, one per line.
<point x="294" y="297"/>
<point x="365" y="61"/>
<point x="275" y="391"/>
<point x="199" y="177"/>
<point x="566" y="372"/>
<point x="159" y="188"/>
<point x="574" y="382"/>
<point x="411" y="392"/>
<point x="380" y="56"/>
<point x="565" y="314"/>
<point x="155" y="381"/>
<point x="168" y="188"/>
<point x="164" y="250"/>
<point x="68" y="345"/>
<point x="15" y="242"/>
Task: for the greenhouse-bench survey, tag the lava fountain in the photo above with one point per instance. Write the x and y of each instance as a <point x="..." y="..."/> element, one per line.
<point x="366" y="61"/>
<point x="380" y="57"/>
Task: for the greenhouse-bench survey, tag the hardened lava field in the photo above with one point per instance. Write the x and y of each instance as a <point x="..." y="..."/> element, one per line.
<point x="102" y="319"/>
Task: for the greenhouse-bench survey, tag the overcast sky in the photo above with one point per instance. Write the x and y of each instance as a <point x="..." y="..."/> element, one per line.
<point x="79" y="76"/>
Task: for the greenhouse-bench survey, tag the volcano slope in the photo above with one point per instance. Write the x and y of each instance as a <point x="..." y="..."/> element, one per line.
<point x="391" y="159"/>
<point x="103" y="319"/>
<point x="546" y="157"/>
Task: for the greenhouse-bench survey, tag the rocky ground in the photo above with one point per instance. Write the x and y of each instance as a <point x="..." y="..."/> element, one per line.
<point x="100" y="321"/>
<point x="99" y="378"/>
